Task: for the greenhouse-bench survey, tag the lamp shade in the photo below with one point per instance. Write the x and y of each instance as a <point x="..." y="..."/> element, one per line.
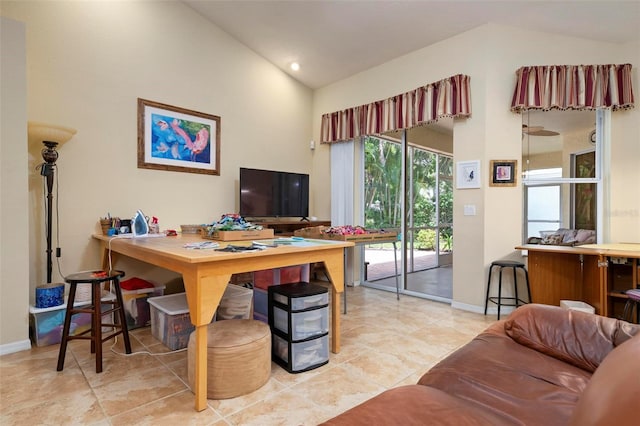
<point x="49" y="132"/>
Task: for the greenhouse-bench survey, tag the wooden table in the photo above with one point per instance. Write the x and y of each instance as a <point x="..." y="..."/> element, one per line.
<point x="206" y="273"/>
<point x="581" y="273"/>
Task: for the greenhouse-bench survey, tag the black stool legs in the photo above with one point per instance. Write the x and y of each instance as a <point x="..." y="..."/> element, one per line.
<point x="499" y="299"/>
<point x="96" y="279"/>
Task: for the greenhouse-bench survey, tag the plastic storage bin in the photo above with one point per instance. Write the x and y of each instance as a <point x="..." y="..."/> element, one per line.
<point x="236" y="303"/>
<point x="170" y="320"/>
<point x="299" y="336"/>
<point x="304" y="324"/>
<point x="135" y="292"/>
<point x="304" y="302"/>
<point x="287" y="275"/>
<point x="260" y="303"/>
<point x="45" y="324"/>
<point x="301" y="356"/>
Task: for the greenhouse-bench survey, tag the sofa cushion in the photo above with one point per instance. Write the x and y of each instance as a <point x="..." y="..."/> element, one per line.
<point x="513" y="381"/>
<point x="416" y="405"/>
<point x="578" y="338"/>
<point x="613" y="394"/>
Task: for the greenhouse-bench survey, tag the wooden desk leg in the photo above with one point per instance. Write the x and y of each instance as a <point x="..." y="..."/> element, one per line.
<point x="334" y="264"/>
<point x="201" y="368"/>
<point x="203" y="296"/>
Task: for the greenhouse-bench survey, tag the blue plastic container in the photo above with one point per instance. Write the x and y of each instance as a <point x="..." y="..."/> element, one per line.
<point x="49" y="295"/>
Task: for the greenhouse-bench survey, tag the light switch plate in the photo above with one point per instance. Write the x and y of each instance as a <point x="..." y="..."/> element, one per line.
<point x="469" y="210"/>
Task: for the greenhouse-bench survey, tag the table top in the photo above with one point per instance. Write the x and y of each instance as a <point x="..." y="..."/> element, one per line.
<point x="174" y="247"/>
<point x="612" y="249"/>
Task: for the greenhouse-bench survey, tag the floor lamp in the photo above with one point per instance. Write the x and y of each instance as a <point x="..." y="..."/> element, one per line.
<point x="51" y="136"/>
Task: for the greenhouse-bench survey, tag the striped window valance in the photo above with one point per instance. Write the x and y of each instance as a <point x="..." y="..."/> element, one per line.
<point x="450" y="97"/>
<point x="574" y="87"/>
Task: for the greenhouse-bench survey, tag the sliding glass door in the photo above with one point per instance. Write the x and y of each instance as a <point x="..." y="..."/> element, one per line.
<point x="429" y="209"/>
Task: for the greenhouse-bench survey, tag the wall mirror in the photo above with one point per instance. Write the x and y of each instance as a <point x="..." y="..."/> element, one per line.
<point x="549" y="138"/>
<point x="559" y="159"/>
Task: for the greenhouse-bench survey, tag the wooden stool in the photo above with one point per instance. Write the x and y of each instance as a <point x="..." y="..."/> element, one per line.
<point x="95" y="278"/>
<point x="238" y="357"/>
<point x="499" y="300"/>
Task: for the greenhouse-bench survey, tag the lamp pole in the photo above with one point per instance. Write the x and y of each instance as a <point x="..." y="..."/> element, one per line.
<point x="49" y="155"/>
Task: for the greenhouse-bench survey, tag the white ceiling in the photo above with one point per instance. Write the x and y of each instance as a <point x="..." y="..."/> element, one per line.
<point x="333" y="39"/>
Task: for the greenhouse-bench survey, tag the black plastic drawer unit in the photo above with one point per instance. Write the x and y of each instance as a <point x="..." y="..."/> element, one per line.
<point x="299" y="321"/>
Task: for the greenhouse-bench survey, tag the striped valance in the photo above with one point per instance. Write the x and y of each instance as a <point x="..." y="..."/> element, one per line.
<point x="450" y="97"/>
<point x="575" y="87"/>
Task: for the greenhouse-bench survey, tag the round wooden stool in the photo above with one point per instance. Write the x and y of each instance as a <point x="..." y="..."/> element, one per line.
<point x="96" y="279"/>
<point x="238" y="357"/>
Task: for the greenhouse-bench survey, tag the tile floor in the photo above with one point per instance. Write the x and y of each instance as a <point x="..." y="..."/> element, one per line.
<point x="434" y="282"/>
<point x="385" y="343"/>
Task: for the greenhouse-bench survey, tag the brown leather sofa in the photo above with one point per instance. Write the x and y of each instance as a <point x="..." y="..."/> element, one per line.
<point x="543" y="365"/>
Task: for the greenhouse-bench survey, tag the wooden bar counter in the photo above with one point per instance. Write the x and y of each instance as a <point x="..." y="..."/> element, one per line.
<point x="588" y="273"/>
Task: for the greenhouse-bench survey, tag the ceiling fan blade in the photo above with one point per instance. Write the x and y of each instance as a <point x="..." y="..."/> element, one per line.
<point x="542" y="133"/>
<point x="530" y="129"/>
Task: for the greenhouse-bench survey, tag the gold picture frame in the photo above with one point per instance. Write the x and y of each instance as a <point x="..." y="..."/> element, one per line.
<point x="503" y="173"/>
<point x="177" y="139"/>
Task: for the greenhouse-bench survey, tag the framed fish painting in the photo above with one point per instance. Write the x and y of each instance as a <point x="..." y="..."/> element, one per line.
<point x="177" y="139"/>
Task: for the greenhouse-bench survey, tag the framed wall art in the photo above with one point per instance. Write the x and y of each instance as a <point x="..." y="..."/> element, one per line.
<point x="468" y="174"/>
<point x="177" y="139"/>
<point x="503" y="172"/>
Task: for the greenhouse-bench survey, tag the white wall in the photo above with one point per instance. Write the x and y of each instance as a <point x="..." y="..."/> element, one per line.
<point x="490" y="55"/>
<point x="14" y="244"/>
<point x="87" y="63"/>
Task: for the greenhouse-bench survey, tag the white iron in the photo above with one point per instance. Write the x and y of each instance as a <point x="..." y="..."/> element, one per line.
<point x="139" y="225"/>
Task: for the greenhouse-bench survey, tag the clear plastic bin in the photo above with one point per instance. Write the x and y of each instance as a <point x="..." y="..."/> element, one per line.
<point x="236" y="303"/>
<point x="301" y="303"/>
<point x="304" y="324"/>
<point x="136" y="308"/>
<point x="46" y="323"/>
<point x="304" y="355"/>
<point x="170" y="320"/>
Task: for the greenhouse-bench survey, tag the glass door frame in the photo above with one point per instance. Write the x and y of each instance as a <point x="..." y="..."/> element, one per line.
<point x="407" y="226"/>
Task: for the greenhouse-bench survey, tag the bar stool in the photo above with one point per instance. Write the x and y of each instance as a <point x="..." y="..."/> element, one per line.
<point x="633" y="301"/>
<point x="499" y="300"/>
<point x="96" y="279"/>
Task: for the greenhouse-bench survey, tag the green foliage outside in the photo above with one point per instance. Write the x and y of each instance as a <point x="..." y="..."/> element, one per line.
<point x="383" y="209"/>
<point x="426" y="240"/>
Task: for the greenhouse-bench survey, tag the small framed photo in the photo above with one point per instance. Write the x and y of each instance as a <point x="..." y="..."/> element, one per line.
<point x="503" y="172"/>
<point x="177" y="139"/>
<point x="468" y="174"/>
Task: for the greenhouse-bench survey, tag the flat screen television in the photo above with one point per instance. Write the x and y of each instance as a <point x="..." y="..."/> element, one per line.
<point x="269" y="193"/>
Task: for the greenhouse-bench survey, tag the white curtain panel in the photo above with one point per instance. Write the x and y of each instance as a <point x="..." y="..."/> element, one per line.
<point x="342" y="177"/>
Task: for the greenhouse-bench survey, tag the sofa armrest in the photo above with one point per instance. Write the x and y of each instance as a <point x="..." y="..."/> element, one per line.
<point x="613" y="393"/>
<point x="578" y="338"/>
<point x="416" y="405"/>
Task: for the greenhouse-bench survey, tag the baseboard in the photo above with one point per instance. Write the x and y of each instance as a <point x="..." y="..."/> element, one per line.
<point x="9" y="348"/>
<point x="491" y="310"/>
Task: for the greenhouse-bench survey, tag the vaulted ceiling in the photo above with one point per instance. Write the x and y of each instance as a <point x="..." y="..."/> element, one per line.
<point x="333" y="39"/>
